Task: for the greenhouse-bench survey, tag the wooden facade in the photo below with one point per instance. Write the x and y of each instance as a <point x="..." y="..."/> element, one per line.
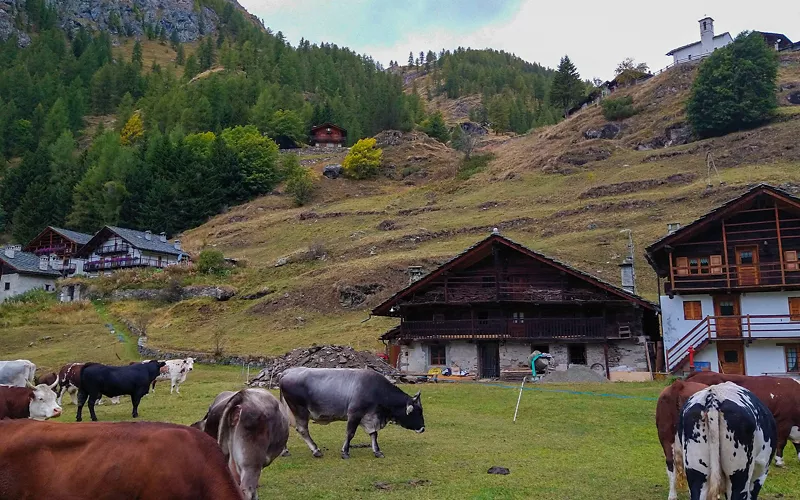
<point x="328" y="135"/>
<point x="61" y="245"/>
<point x="499" y="290"/>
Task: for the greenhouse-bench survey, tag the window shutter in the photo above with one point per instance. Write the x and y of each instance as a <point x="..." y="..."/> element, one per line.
<point x="682" y="264"/>
<point x="716" y="264"/>
<point x="794" y="308"/>
<point x="790" y="260"/>
<point x="692" y="310"/>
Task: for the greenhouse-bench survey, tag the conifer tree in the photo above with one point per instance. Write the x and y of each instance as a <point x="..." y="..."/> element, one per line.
<point x="567" y="87"/>
<point x="136" y="56"/>
<point x="410" y="59"/>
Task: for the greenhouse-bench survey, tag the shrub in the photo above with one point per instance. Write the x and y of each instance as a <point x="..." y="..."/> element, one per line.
<point x="735" y="87"/>
<point x="474" y="164"/>
<point x="618" y="108"/>
<point x="436" y="128"/>
<point x="211" y="262"/>
<point x="363" y="160"/>
<point x="300" y="185"/>
<point x="36" y="296"/>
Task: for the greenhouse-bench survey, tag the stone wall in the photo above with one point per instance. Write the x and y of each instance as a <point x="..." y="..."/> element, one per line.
<point x="463" y="355"/>
<point x="514" y="355"/>
<point x="595" y="354"/>
<point x="413" y="358"/>
<point x="627" y="355"/>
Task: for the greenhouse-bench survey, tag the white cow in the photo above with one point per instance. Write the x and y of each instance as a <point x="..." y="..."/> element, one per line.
<point x="175" y="371"/>
<point x="17" y="373"/>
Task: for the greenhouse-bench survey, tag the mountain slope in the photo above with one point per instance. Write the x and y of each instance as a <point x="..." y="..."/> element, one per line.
<point x="554" y="191"/>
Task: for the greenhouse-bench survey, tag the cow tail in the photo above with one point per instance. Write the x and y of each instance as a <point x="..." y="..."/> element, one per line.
<point x="287" y="412"/>
<point x="677" y="464"/>
<point x="712" y="423"/>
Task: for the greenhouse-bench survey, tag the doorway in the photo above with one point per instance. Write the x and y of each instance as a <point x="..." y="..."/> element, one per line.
<point x="747" y="265"/>
<point x="731" y="358"/>
<point x="728" y="321"/>
<point x="489" y="356"/>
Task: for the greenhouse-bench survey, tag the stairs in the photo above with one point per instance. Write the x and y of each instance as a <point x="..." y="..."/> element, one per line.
<point x="698" y="337"/>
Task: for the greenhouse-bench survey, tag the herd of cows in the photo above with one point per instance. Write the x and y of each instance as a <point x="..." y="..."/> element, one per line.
<point x="719" y="433"/>
<point x="219" y="457"/>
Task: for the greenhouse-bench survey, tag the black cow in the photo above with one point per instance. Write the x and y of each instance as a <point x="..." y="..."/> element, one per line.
<point x="98" y="380"/>
<point x="360" y="397"/>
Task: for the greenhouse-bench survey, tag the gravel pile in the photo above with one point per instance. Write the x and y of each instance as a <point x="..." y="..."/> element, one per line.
<point x="575" y="373"/>
<point x="329" y="356"/>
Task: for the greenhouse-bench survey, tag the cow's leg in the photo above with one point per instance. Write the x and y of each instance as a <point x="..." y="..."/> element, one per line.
<point x="81" y="401"/>
<point x="92" y="400"/>
<point x="352" y="425"/>
<point x="61" y="391"/>
<point x="73" y="394"/>
<point x="301" y="420"/>
<point x="783" y="437"/>
<point x="794" y="437"/>
<point x="375" y="448"/>
<point x="154" y="386"/>
<point x="135" y="399"/>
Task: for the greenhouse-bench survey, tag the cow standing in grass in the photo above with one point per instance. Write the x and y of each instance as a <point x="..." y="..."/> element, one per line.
<point x="359" y="397"/>
<point x="98" y="380"/>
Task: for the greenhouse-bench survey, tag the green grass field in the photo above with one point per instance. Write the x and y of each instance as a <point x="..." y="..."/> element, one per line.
<point x="599" y="444"/>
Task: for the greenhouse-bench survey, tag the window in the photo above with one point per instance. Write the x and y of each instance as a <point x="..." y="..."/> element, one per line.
<point x="577" y="354"/>
<point x="794" y="308"/>
<point x="791" y="358"/>
<point x="6" y="286"/>
<point x="790" y="260"/>
<point x="694" y="265"/>
<point x="730" y="356"/>
<point x="746" y="257"/>
<point x="519" y="317"/>
<point x="711" y="264"/>
<point x="437" y="354"/>
<point x="704" y="265"/>
<point x="47" y="288"/>
<point x="692" y="310"/>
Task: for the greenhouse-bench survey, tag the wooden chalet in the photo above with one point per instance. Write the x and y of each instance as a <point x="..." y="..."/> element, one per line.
<point x="731" y="286"/>
<point x="328" y="135"/>
<point x="115" y="248"/>
<point x="487" y="309"/>
<point x="61" y="246"/>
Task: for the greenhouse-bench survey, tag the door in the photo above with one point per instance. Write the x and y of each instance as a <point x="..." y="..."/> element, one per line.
<point x="728" y="321"/>
<point x="747" y="265"/>
<point x="517" y="327"/>
<point x="731" y="357"/>
<point x="489" y="353"/>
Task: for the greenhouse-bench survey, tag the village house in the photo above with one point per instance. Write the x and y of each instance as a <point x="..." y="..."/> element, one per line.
<point x="23" y="271"/>
<point x="114" y="248"/>
<point x="328" y="135"/>
<point x="60" y="246"/>
<point x="487" y="309"/>
<point x="731" y="286"/>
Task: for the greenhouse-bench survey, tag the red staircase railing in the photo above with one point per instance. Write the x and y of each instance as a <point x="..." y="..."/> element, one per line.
<point x="697" y="337"/>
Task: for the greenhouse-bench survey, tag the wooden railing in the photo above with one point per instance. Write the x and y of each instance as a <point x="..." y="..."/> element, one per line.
<point x="528" y="328"/>
<point x="735" y="276"/>
<point x="114" y="248"/>
<point x="746" y="327"/>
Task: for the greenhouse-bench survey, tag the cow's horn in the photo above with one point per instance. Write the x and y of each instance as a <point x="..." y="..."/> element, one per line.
<point x="29" y="384"/>
<point x="416" y="396"/>
<point x="53" y="386"/>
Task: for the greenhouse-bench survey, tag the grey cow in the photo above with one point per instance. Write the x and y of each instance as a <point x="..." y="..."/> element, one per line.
<point x="251" y="428"/>
<point x="17" y="373"/>
<point x="359" y="397"/>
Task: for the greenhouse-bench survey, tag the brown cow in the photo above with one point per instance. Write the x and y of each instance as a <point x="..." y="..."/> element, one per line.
<point x="251" y="428"/>
<point x="109" y="461"/>
<point x="46" y="379"/>
<point x="668" y="413"/>
<point x="781" y="395"/>
<point x="36" y="402"/>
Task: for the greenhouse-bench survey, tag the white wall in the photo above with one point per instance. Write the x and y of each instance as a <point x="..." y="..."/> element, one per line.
<point x="21" y="283"/>
<point x="673" y="325"/>
<point x="708" y="353"/>
<point x="696" y="51"/>
<point x="770" y="303"/>
<point x="764" y="357"/>
<point x="414" y="358"/>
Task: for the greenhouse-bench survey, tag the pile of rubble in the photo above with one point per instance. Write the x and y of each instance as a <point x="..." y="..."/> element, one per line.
<point x="329" y="356"/>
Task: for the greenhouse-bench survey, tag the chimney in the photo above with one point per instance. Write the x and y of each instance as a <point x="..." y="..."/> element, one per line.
<point x="44" y="261"/>
<point x="628" y="275"/>
<point x="177" y="244"/>
<point x="148" y="235"/>
<point x="163" y="237"/>
<point x="414" y="274"/>
<point x="672" y="227"/>
<point x="9" y="251"/>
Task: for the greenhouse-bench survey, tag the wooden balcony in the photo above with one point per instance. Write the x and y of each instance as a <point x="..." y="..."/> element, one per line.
<point x="122" y="263"/>
<point x="731" y="277"/>
<point x="749" y="328"/>
<point x="112" y="249"/>
<point x="528" y="329"/>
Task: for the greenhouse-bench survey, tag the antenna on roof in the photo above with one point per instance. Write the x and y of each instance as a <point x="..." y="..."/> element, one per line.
<point x="709" y="166"/>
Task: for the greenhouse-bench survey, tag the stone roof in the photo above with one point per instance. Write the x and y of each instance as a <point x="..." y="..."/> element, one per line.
<point x="138" y="240"/>
<point x="79" y="238"/>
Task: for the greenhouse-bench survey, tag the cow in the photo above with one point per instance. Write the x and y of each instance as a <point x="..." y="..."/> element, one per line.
<point x="780" y="394"/>
<point x="46" y="379"/>
<point x="175" y="371"/>
<point x="109" y="461"/>
<point x="98" y="380"/>
<point x="37" y="402"/>
<point x="251" y="428"/>
<point x="727" y="437"/>
<point x="17" y="373"/>
<point x="69" y="378"/>
<point x="668" y="413"/>
<point x="359" y="396"/>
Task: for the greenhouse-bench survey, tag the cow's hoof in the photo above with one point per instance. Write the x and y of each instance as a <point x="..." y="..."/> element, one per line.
<point x="345" y="455"/>
<point x="285" y="453"/>
<point x="79" y="419"/>
<point x="94" y="420"/>
<point x="378" y="454"/>
<point x="317" y="454"/>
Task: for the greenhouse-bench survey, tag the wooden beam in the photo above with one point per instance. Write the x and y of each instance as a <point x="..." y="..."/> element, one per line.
<point x="671" y="271"/>
<point x="725" y="253"/>
<point x="780" y="244"/>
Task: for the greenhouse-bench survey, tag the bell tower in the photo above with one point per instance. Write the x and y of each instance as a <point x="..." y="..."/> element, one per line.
<point x="706" y="35"/>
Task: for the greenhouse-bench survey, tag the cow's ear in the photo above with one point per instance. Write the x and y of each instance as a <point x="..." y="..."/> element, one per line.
<point x="409" y="409"/>
<point x="235" y="414"/>
<point x="416" y="396"/>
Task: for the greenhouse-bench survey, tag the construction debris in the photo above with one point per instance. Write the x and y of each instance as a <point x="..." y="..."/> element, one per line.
<point x="329" y="356"/>
<point x="574" y="373"/>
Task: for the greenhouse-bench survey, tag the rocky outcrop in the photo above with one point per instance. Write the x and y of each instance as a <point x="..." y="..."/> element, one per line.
<point x="119" y="17"/>
<point x="607" y="131"/>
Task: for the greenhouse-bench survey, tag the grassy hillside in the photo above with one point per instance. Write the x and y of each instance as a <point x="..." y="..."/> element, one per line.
<point x="552" y="190"/>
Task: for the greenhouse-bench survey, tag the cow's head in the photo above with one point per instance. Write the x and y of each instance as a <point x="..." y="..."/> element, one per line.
<point x="188" y="363"/>
<point x="43" y="403"/>
<point x="410" y="416"/>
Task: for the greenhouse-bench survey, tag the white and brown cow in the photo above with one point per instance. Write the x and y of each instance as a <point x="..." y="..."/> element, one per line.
<point x="727" y="438"/>
<point x="251" y="427"/>
<point x="175" y="371"/>
<point x="69" y="378"/>
<point x="668" y="414"/>
<point x="37" y="402"/>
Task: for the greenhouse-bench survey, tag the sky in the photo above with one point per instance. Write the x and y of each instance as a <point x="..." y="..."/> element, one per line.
<point x="596" y="35"/>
